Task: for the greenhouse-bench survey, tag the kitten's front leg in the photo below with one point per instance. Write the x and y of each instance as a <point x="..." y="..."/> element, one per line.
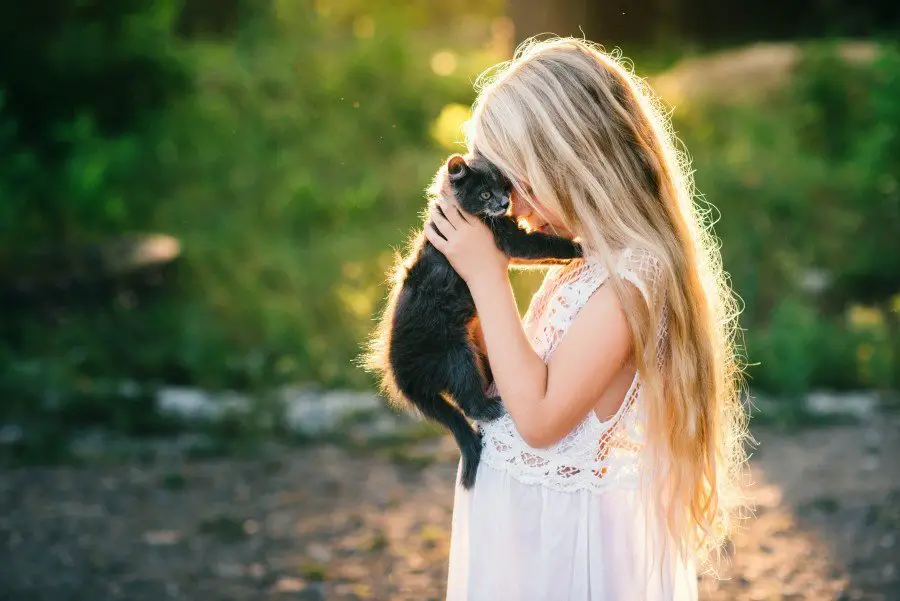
<point x="535" y="248"/>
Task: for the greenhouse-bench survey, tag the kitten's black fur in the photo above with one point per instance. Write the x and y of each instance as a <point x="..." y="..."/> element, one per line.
<point x="424" y="349"/>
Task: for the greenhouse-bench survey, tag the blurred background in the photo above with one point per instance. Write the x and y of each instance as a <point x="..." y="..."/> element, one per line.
<point x="199" y="200"/>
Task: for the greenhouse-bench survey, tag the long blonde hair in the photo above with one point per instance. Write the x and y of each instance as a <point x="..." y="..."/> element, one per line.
<point x="582" y="137"/>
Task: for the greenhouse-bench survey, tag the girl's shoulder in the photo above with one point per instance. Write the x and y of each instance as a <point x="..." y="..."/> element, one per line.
<point x="642" y="268"/>
<point x="573" y="284"/>
<point x="637" y="265"/>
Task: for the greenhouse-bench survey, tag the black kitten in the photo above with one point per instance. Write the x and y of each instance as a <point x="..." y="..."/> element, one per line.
<point x="424" y="348"/>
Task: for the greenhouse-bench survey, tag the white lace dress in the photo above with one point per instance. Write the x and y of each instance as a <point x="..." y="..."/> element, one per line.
<point x="568" y="522"/>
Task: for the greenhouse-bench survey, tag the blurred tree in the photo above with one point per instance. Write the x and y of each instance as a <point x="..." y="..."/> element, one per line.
<point x="76" y="78"/>
<point x="707" y="22"/>
<point x="209" y="18"/>
<point x="534" y="17"/>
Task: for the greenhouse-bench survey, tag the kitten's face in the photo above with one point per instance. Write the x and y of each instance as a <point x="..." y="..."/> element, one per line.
<point x="478" y="186"/>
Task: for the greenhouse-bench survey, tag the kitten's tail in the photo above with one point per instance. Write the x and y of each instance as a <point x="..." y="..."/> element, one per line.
<point x="439" y="410"/>
<point x="471" y="457"/>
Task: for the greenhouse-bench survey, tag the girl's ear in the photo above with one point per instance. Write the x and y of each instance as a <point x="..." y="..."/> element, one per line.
<point x="456" y="167"/>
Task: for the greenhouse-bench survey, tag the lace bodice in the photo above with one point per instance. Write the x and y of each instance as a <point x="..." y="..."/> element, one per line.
<point x="595" y="455"/>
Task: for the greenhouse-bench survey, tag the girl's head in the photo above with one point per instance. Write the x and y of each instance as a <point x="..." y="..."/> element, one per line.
<point x="591" y="154"/>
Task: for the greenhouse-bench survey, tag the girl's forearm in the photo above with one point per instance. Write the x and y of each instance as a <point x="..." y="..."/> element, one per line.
<point x="519" y="373"/>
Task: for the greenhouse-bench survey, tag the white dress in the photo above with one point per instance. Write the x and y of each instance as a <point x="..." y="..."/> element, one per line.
<point x="568" y="522"/>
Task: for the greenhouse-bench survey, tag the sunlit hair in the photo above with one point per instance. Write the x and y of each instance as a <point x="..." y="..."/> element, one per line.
<point x="585" y="139"/>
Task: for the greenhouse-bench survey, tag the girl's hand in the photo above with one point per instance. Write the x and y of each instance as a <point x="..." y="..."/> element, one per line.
<point x="466" y="242"/>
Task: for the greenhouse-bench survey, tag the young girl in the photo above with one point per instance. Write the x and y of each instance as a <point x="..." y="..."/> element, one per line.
<point x="615" y="465"/>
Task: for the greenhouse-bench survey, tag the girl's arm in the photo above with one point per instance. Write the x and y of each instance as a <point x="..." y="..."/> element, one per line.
<point x="545" y="401"/>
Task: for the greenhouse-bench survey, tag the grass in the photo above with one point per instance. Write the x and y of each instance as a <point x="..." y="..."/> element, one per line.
<point x="824" y="504"/>
<point x="378" y="542"/>
<point x="314" y="572"/>
<point x="173" y="481"/>
<point x="432" y="535"/>
<point x="793" y="416"/>
<point x="227" y="529"/>
<point x="410" y="458"/>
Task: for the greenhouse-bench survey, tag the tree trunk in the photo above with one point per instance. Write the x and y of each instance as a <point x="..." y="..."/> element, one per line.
<point x="608" y="22"/>
<point x="560" y="17"/>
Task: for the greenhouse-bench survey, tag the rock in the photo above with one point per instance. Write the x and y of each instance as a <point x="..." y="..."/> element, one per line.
<point x="306" y="410"/>
<point x="869" y="464"/>
<point x="383" y="426"/>
<point x="162" y="538"/>
<point x="315" y="414"/>
<point x="318" y="552"/>
<point x="857" y="404"/>
<point x="288" y="585"/>
<point x="230" y="570"/>
<point x="873" y="440"/>
<point x="313" y="592"/>
<point x="90" y="443"/>
<point x="256" y="570"/>
<point x="11" y="434"/>
<point x="187" y="403"/>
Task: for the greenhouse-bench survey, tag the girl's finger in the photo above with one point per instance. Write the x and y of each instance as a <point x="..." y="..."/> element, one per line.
<point x="433" y="235"/>
<point x="462" y="214"/>
<point x="453" y="210"/>
<point x="448" y="206"/>
<point x="439" y="217"/>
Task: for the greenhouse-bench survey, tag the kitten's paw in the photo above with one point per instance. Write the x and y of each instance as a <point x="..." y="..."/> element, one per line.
<point x="488" y="411"/>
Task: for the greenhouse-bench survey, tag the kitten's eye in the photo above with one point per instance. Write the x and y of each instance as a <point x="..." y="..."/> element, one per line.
<point x="485" y="195"/>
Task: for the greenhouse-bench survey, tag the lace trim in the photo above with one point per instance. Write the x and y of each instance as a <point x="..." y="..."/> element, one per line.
<point x="596" y="455"/>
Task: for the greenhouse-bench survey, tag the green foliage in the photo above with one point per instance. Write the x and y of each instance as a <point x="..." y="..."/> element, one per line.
<point x="289" y="173"/>
<point x="849" y="117"/>
<point x="77" y="116"/>
<point x="289" y="150"/>
<point x="808" y="185"/>
<point x="302" y="169"/>
<point x="787" y="345"/>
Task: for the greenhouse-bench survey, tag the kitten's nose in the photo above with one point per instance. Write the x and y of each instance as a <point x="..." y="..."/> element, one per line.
<point x="504" y="203"/>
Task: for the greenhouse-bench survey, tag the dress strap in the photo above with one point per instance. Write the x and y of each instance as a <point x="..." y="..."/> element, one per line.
<point x="572" y="290"/>
<point x="642" y="269"/>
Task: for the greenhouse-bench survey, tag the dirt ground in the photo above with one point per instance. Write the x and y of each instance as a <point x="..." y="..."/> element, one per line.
<point x="328" y="522"/>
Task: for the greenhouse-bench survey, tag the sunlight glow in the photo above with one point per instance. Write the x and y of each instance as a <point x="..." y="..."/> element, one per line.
<point x="447" y="128"/>
<point x="443" y="63"/>
<point x="364" y="27"/>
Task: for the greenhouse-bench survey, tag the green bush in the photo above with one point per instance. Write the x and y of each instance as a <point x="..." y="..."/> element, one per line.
<point x="81" y="89"/>
<point x="289" y="174"/>
<point x="296" y="164"/>
<point x="294" y="172"/>
<point x="800" y="348"/>
<point x="808" y="184"/>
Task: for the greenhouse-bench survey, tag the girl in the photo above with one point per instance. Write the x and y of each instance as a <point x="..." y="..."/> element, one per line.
<point x="615" y="465"/>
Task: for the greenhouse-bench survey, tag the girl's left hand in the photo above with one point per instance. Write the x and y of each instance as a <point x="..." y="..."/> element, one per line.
<point x="466" y="242"/>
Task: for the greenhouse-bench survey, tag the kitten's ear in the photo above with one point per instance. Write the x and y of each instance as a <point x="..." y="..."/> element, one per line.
<point x="456" y="167"/>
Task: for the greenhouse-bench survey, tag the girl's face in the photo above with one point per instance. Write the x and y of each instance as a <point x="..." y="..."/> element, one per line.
<point x="538" y="218"/>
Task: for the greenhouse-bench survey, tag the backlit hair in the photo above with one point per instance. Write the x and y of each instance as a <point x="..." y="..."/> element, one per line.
<point x="584" y="138"/>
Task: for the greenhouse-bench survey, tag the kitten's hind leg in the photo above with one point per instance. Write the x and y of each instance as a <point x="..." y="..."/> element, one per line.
<point x="467" y="388"/>
<point x="468" y="440"/>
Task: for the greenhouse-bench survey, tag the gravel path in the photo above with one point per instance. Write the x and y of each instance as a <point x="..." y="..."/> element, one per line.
<point x="338" y="523"/>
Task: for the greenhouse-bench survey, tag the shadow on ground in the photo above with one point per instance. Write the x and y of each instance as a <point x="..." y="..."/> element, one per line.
<point x="338" y="523"/>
